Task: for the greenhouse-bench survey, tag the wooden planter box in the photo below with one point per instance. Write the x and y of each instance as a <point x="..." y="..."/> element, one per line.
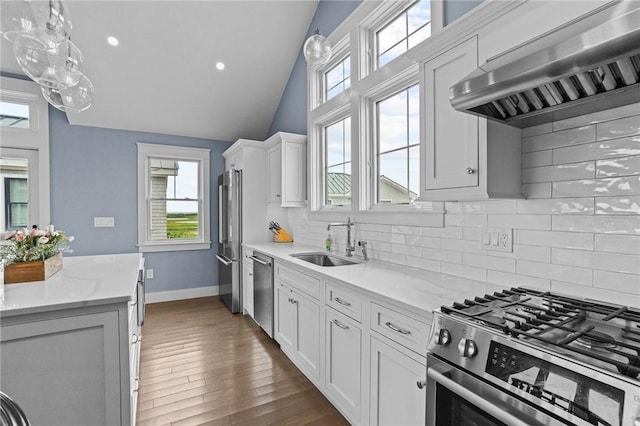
<point x="38" y="270"/>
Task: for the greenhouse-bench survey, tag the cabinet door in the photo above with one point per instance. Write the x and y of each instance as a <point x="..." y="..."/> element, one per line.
<point x="342" y="359"/>
<point x="285" y="318"/>
<point x="247" y="290"/>
<point x="274" y="191"/>
<point x="450" y="154"/>
<point x="67" y="371"/>
<point x="396" y="399"/>
<point x="308" y="335"/>
<point x="294" y="170"/>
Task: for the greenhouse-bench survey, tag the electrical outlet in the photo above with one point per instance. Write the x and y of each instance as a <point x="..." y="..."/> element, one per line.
<point x="497" y="239"/>
<point x="104" y="222"/>
<point x="150" y="273"/>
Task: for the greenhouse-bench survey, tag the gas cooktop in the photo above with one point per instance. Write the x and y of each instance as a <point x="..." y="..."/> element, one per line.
<point x="596" y="333"/>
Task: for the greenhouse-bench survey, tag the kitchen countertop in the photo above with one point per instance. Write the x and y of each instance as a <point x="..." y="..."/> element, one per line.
<point x="417" y="288"/>
<point x="83" y="281"/>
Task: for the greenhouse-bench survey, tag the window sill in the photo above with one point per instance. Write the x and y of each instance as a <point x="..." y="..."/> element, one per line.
<point x="177" y="246"/>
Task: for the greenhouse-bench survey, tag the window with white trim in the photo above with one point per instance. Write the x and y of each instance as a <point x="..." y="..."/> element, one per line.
<point x="337" y="170"/>
<point x="397" y="154"/>
<point x="337" y="79"/>
<point x="404" y="32"/>
<point x="173" y="198"/>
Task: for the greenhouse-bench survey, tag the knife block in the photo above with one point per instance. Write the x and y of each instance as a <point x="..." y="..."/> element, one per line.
<point x="282" y="236"/>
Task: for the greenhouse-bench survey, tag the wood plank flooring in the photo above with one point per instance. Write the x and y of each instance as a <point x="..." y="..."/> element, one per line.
<point x="200" y="364"/>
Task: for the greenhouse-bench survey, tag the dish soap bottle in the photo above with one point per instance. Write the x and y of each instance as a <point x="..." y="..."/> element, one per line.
<point x="328" y="242"/>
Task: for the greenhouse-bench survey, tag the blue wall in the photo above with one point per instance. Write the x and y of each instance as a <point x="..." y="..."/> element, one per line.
<point x="291" y="115"/>
<point x="94" y="173"/>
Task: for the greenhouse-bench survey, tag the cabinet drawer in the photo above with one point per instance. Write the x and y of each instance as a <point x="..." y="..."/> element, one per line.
<point x="299" y="281"/>
<point x="403" y="329"/>
<point x="344" y="301"/>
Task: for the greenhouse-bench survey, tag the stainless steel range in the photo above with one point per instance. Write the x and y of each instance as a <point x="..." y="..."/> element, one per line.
<point x="525" y="357"/>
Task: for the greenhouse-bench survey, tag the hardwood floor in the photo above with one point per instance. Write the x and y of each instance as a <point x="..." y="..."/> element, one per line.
<point x="202" y="365"/>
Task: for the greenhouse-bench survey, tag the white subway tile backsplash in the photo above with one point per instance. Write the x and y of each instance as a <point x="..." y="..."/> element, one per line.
<point x="618" y="205"/>
<point x="618" y="128"/>
<point x="554" y="239"/>
<point x="557" y="139"/>
<point x="513" y="280"/>
<point x="627" y="283"/>
<point x="598" y="150"/>
<point x="557" y="206"/>
<point x="489" y="262"/>
<point x="597" y="117"/>
<point x="629" y="244"/>
<point x="565" y="273"/>
<point x="597" y="187"/>
<point x="537" y="159"/>
<point x="520" y="221"/>
<point x="601" y="224"/>
<point x="536" y="190"/>
<point x="558" y="172"/>
<point x="624" y="166"/>
<point x="577" y="231"/>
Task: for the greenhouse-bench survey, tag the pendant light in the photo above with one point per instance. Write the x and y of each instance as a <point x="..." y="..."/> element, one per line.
<point x="317" y="49"/>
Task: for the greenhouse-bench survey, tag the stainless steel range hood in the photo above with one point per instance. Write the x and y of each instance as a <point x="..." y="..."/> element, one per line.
<point x="588" y="65"/>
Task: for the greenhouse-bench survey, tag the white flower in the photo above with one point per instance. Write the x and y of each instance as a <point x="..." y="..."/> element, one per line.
<point x="43" y="240"/>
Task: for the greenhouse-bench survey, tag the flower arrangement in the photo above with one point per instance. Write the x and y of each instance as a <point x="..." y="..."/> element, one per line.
<point x="35" y="244"/>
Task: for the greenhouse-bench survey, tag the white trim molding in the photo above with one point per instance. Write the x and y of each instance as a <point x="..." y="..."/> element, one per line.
<point x="187" y="293"/>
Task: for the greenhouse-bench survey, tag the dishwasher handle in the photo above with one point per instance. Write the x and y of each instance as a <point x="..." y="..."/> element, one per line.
<point x="260" y="261"/>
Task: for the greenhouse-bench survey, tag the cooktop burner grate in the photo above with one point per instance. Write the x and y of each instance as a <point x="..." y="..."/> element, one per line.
<point x="596" y="331"/>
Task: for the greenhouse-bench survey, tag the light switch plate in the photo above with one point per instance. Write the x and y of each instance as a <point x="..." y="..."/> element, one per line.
<point x="104" y="222"/>
<point x="497" y="239"/>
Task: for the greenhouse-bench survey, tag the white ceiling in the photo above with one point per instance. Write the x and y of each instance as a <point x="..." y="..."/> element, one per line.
<point x="162" y="77"/>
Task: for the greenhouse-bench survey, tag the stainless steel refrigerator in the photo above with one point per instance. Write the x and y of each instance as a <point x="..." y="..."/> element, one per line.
<point x="230" y="239"/>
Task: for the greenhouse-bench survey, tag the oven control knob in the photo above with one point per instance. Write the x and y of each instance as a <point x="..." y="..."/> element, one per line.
<point x="467" y="348"/>
<point x="444" y="337"/>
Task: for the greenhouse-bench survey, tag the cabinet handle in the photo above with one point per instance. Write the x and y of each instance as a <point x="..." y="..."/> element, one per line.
<point x="250" y="274"/>
<point x="470" y="170"/>
<point x="290" y="300"/>
<point x="342" y="302"/>
<point x="421" y="384"/>
<point x="339" y="324"/>
<point x="277" y="195"/>
<point x="397" y="329"/>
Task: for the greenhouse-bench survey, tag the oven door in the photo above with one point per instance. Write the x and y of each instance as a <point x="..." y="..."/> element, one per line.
<point x="455" y="397"/>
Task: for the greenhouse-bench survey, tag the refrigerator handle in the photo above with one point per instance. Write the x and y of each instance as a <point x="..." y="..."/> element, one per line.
<point x="220" y="214"/>
<point x="225" y="260"/>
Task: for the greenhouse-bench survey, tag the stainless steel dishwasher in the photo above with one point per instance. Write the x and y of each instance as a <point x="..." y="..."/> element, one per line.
<point x="263" y="291"/>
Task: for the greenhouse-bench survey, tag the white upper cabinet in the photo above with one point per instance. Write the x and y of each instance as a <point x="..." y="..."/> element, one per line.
<point x="287" y="170"/>
<point x="463" y="157"/>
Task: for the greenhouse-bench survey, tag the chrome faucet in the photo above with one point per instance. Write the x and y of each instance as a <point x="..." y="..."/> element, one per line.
<point x="363" y="246"/>
<point x="350" y="248"/>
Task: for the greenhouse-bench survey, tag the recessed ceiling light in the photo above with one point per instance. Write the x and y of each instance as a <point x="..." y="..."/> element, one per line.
<point x="220" y="66"/>
<point x="113" y="41"/>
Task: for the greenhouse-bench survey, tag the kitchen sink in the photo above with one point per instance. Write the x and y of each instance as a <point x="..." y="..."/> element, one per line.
<point x="323" y="259"/>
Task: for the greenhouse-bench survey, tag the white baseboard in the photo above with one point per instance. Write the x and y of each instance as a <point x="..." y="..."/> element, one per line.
<point x="188" y="293"/>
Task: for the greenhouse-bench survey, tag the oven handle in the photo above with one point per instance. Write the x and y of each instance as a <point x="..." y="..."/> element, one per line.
<point x="476" y="400"/>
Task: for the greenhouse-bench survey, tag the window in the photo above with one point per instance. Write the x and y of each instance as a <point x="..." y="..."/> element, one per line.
<point x="337" y="172"/>
<point x="398" y="147"/>
<point x="14" y="115"/>
<point x="24" y="155"/>
<point x="173" y="198"/>
<point x="337" y="79"/>
<point x="404" y="32"/>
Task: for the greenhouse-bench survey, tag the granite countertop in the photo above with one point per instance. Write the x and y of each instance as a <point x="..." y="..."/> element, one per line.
<point x="83" y="281"/>
<point x="416" y="288"/>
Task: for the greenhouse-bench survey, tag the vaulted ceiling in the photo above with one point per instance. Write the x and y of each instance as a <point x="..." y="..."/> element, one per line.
<point x="162" y="76"/>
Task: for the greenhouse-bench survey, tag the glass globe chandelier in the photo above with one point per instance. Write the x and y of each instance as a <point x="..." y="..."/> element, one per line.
<point x="41" y="35"/>
<point x="317" y="49"/>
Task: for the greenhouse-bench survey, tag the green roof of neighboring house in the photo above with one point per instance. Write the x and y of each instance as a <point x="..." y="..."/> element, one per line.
<point x="340" y="183"/>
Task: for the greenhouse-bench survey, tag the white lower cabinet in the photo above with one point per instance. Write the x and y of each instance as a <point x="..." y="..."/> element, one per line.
<point x="297" y="329"/>
<point x="247" y="288"/>
<point x="398" y="394"/>
<point x="343" y="356"/>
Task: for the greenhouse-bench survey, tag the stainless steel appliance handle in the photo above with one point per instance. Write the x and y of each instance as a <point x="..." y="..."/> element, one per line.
<point x="225" y="260"/>
<point x="476" y="400"/>
<point x="260" y="261"/>
<point x="220" y="214"/>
